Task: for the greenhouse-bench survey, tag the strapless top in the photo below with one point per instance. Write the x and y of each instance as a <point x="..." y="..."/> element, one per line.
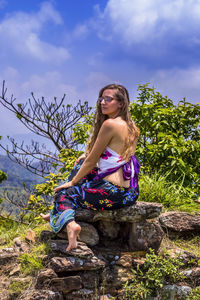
<point x="110" y="161"/>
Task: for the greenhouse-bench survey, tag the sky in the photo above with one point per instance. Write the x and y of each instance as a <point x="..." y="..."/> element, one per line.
<point x="75" y="47"/>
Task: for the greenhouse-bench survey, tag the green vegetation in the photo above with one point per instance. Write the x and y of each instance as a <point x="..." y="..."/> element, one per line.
<point x="10" y="229"/>
<point x="32" y="261"/>
<point x="168" y="150"/>
<point x="191" y="244"/>
<point x="169" y="153"/>
<point x="151" y="277"/>
<point x="169" y="137"/>
<point x="173" y="195"/>
<point x="195" y="294"/>
<point x="17" y="287"/>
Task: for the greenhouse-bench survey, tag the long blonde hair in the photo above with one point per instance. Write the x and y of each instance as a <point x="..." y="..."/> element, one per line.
<point x="122" y="96"/>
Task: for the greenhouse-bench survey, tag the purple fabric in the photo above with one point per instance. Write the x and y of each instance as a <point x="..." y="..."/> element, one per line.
<point x="127" y="172"/>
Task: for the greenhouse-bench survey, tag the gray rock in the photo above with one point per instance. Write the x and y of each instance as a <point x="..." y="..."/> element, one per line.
<point x="193" y="275"/>
<point x="109" y="229"/>
<point x="84" y="215"/>
<point x="145" y="235"/>
<point x="41" y="295"/>
<point x="81" y="251"/>
<point x="88" y="234"/>
<point x="179" y="223"/>
<point x="7" y="257"/>
<point x="66" y="264"/>
<point x="135" y="213"/>
<point x="44" y="278"/>
<point x="66" y="284"/>
<point x="175" y="292"/>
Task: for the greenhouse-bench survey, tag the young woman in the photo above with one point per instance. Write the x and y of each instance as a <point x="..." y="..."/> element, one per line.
<point x="114" y="184"/>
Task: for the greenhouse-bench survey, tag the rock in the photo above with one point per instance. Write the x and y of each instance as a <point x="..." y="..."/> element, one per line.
<point x="7" y="257"/>
<point x="179" y="223"/>
<point x="135" y="213"/>
<point x="193" y="276"/>
<point x="46" y="235"/>
<point x="82" y="294"/>
<point x="17" y="242"/>
<point x="7" y="250"/>
<point x="90" y="280"/>
<point x="21" y="245"/>
<point x="15" y="270"/>
<point x="175" y="292"/>
<point x="81" y="251"/>
<point x="145" y="235"/>
<point x="84" y="215"/>
<point x="66" y="264"/>
<point x="88" y="234"/>
<point x="125" y="260"/>
<point x="114" y="277"/>
<point x="30" y="236"/>
<point x="41" y="295"/>
<point x="66" y="284"/>
<point x="109" y="229"/>
<point x="44" y="278"/>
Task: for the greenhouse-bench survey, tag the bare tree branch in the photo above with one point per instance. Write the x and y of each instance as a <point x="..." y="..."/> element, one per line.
<point x="52" y="120"/>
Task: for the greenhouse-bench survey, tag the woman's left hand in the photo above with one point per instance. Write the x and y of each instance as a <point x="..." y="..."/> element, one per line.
<point x="63" y="186"/>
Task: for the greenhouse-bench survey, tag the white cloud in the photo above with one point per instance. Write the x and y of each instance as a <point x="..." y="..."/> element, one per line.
<point x="20" y="34"/>
<point x="178" y="83"/>
<point x="81" y="31"/>
<point x="133" y="21"/>
<point x="50" y="85"/>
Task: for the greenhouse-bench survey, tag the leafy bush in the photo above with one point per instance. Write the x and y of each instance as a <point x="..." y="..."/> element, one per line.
<point x="170" y="134"/>
<point x="151" y="277"/>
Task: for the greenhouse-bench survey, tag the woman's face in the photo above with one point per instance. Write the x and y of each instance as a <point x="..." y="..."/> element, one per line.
<point x="109" y="104"/>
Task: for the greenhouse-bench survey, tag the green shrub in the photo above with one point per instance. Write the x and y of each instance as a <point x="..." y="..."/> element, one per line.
<point x="156" y="271"/>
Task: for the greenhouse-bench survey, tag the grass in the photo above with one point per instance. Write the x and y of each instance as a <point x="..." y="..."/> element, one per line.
<point x="191" y="244"/>
<point x="17" y="287"/>
<point x="173" y="196"/>
<point x="32" y="262"/>
<point x="10" y="229"/>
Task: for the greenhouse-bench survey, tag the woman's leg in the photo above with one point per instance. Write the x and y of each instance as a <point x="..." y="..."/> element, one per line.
<point x="45" y="217"/>
<point x="62" y="215"/>
<point x="73" y="230"/>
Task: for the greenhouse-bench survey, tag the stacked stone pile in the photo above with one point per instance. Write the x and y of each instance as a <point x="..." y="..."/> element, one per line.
<point x="111" y="244"/>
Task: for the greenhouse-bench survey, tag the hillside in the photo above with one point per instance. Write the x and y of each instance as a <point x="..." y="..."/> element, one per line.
<point x="16" y="174"/>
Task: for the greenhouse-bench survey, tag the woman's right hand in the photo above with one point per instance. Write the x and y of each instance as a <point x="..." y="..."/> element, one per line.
<point x="83" y="156"/>
<point x="63" y="186"/>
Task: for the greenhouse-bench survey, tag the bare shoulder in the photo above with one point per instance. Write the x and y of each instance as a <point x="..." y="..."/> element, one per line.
<point x="114" y="123"/>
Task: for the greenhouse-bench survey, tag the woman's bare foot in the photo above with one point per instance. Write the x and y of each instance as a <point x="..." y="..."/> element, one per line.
<point x="73" y="230"/>
<point x="45" y="217"/>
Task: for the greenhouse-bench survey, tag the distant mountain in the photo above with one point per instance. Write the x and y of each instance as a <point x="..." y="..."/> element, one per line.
<point x="17" y="174"/>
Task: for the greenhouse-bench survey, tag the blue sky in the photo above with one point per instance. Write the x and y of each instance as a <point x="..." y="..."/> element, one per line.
<point x="78" y="46"/>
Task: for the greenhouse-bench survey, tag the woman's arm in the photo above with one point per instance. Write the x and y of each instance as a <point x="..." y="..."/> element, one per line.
<point x="104" y="137"/>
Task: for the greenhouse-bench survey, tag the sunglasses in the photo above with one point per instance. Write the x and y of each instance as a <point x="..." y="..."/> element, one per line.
<point x="107" y="99"/>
